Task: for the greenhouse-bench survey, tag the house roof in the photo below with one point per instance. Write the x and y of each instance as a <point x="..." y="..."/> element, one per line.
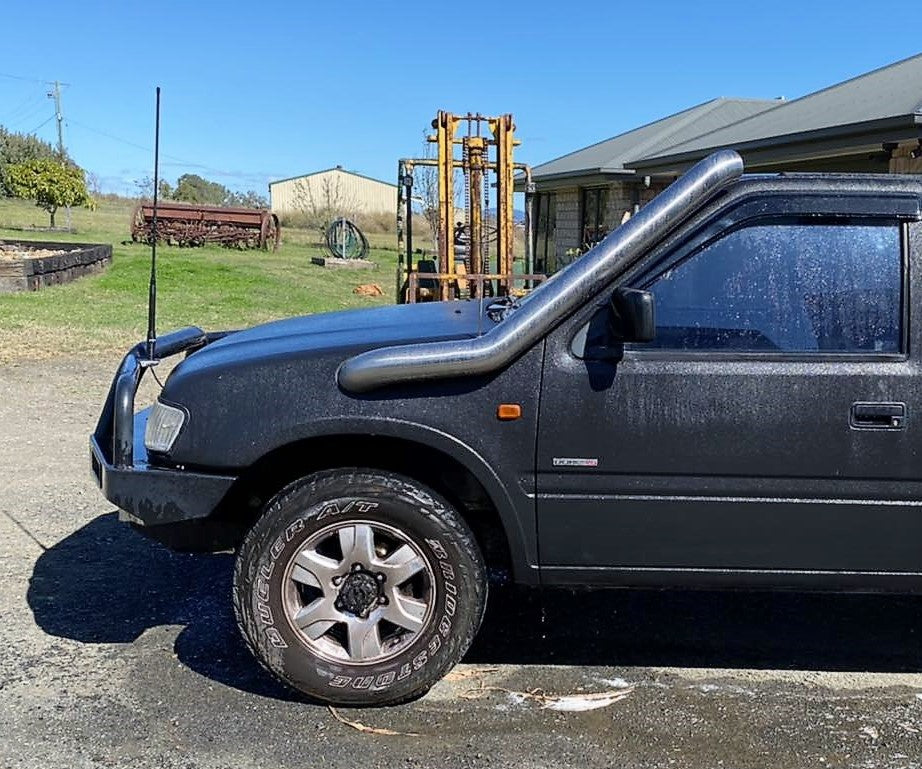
<point x="611" y="155"/>
<point x="326" y="171"/>
<point x="887" y="98"/>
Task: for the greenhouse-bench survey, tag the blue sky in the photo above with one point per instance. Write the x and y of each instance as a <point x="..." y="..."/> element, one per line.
<point x="255" y="91"/>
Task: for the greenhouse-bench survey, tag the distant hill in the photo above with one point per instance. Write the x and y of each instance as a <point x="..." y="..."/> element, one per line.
<point x="518" y="216"/>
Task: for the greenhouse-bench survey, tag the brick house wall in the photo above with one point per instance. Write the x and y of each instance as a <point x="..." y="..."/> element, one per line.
<point x="567" y="201"/>
<point x="902" y="161"/>
<point x="621" y="196"/>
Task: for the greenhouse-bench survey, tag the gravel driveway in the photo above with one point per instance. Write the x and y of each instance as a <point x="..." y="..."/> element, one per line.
<point x="117" y="652"/>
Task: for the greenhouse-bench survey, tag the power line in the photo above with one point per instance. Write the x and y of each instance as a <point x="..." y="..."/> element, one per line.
<point x="19" y="77"/>
<point x="32" y="108"/>
<point x="29" y="102"/>
<point x="40" y="125"/>
<point x="176" y="160"/>
<point x="29" y="79"/>
<point x="108" y="135"/>
<point x="28" y="116"/>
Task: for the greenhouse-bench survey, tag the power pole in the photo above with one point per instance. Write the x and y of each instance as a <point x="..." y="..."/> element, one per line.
<point x="59" y="117"/>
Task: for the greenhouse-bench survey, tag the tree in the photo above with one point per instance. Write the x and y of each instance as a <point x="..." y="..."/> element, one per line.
<point x="16" y="148"/>
<point x="145" y="187"/>
<point x="192" y="188"/>
<point x="20" y="148"/>
<point x="322" y="200"/>
<point x="49" y="183"/>
<point x="93" y="184"/>
<point x="248" y="199"/>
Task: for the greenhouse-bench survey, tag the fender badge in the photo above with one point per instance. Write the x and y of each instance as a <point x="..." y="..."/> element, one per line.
<point x="576" y="462"/>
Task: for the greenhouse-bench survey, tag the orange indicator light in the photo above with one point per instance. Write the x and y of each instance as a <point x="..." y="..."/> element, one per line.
<point x="506" y="412"/>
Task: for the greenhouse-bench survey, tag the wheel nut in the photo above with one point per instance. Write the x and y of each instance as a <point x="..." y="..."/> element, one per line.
<point x="356" y="567"/>
<point x="382" y="600"/>
<point x="379" y="576"/>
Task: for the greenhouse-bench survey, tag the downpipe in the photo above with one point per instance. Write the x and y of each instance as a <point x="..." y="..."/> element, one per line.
<point x="562" y="294"/>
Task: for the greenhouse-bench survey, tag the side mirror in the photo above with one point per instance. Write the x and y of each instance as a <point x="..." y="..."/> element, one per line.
<point x="631" y="315"/>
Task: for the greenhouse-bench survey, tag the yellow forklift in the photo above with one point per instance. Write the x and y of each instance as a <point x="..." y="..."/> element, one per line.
<point x="480" y="148"/>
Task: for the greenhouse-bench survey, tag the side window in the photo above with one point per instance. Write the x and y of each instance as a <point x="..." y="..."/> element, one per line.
<point x="786" y="288"/>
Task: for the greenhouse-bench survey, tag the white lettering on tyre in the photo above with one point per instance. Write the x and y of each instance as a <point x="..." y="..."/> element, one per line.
<point x="390" y="677"/>
<point x="385" y="679"/>
<point x="354" y="505"/>
<point x="290" y="532"/>
<point x="437" y="548"/>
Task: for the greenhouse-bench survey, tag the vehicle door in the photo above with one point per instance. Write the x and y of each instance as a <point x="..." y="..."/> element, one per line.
<point x="772" y="425"/>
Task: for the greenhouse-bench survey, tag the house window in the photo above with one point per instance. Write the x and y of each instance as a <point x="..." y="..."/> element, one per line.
<point x="592" y="205"/>
<point x="545" y="249"/>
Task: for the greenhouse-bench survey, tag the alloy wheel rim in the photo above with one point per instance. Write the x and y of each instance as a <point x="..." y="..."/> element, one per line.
<point x="358" y="592"/>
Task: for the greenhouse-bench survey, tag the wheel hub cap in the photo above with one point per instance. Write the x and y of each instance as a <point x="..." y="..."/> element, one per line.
<point x="358" y="591"/>
<point x="359" y="594"/>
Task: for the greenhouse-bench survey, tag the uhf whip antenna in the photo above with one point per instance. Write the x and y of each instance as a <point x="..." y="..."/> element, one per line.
<point x="152" y="294"/>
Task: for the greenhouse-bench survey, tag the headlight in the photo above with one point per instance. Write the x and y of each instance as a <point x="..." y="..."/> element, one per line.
<point x="163" y="425"/>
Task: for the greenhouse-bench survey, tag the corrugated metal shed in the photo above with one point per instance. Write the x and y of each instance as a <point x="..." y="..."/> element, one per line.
<point x="333" y="189"/>
<point x="884" y="104"/>
<point x="609" y="157"/>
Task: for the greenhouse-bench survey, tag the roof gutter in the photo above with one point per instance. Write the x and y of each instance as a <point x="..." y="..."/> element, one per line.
<point x="550" y="303"/>
<point x="574" y="178"/>
<point x="789" y="146"/>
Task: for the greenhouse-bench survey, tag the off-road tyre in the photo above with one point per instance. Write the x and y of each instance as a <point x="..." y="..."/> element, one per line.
<point x="308" y="508"/>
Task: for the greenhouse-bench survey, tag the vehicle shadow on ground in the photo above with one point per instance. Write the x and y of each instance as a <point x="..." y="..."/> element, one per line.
<point x="106" y="583"/>
<point x="703" y="629"/>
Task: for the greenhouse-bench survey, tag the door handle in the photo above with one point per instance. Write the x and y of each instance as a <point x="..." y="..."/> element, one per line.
<point x="878" y="416"/>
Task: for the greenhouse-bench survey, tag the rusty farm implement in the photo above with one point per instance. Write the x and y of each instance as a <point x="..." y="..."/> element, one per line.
<point x="182" y="224"/>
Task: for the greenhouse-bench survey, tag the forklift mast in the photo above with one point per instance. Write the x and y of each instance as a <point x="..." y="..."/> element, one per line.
<point x="481" y="149"/>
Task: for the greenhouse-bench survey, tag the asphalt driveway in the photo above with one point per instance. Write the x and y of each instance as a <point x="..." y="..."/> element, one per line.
<point x="117" y="652"/>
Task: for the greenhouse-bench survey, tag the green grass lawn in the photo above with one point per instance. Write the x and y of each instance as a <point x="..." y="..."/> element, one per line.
<point x="211" y="287"/>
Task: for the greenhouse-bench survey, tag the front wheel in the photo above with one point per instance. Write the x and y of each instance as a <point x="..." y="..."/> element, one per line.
<point x="359" y="587"/>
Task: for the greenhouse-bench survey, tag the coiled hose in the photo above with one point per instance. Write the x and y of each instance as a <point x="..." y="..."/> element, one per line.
<point x="344" y="240"/>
